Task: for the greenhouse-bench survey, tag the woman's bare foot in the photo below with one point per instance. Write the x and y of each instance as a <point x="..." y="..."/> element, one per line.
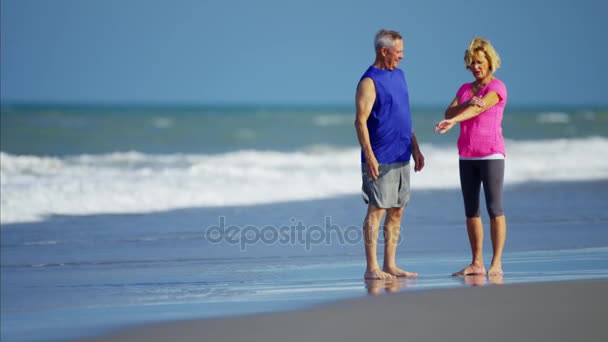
<point x="472" y="269"/>
<point x="496" y="271"/>
<point x="397" y="272"/>
<point x="475" y="280"/>
<point x="377" y="274"/>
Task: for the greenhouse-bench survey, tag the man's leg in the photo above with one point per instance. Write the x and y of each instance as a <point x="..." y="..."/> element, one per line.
<point x="392" y="228"/>
<point x="370" y="234"/>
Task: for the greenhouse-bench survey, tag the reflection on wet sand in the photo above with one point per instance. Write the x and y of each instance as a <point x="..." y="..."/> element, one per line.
<point x="481" y="280"/>
<point x="376" y="286"/>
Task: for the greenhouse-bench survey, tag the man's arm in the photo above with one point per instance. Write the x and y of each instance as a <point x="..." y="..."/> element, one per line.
<point x="366" y="96"/>
<point x="418" y="157"/>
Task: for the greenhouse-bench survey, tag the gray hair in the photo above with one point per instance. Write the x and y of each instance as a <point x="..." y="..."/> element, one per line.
<point x="386" y="39"/>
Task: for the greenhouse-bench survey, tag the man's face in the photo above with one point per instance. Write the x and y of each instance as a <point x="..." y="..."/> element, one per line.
<point x="394" y="55"/>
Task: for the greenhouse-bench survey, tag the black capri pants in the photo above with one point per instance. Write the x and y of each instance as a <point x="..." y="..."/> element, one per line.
<point x="490" y="173"/>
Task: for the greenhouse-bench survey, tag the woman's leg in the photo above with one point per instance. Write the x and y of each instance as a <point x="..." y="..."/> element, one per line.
<point x="470" y="183"/>
<point x="492" y="174"/>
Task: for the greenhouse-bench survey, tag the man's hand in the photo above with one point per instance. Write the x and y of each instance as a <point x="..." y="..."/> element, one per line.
<point x="416" y="154"/>
<point x="418" y="160"/>
<point x="372" y="166"/>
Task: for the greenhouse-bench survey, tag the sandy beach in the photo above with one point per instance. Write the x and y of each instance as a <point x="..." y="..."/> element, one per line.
<point x="559" y="311"/>
<point x="81" y="277"/>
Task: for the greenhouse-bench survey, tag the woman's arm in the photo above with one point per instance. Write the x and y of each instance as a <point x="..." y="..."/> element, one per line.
<point x="454" y="108"/>
<point x="489" y="100"/>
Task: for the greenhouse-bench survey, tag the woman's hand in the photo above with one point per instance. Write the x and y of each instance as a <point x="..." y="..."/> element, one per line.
<point x="476" y="101"/>
<point x="444" y="126"/>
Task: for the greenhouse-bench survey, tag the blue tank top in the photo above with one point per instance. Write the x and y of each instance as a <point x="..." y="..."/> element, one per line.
<point x="390" y="122"/>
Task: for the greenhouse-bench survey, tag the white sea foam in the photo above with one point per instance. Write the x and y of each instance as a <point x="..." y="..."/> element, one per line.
<point x="332" y="120"/>
<point x="553" y="118"/>
<point x="162" y="122"/>
<point x="34" y="187"/>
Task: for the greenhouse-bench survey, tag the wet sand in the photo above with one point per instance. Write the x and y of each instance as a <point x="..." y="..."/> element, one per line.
<point x="556" y="311"/>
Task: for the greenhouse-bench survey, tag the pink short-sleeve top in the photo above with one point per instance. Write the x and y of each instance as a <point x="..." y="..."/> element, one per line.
<point x="481" y="136"/>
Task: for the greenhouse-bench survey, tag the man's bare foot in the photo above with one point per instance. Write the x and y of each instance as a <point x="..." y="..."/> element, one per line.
<point x="495" y="271"/>
<point x="377" y="274"/>
<point x="470" y="270"/>
<point x="397" y="272"/>
<point x="496" y="280"/>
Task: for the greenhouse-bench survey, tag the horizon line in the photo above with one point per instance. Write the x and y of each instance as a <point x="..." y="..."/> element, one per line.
<point x="270" y="104"/>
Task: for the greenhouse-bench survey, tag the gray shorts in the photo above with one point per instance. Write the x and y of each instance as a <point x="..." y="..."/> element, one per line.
<point x="391" y="189"/>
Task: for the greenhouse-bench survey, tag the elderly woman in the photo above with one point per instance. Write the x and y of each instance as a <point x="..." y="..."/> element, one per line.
<point x="478" y="107"/>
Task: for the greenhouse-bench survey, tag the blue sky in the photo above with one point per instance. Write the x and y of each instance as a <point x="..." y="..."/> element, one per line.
<point x="291" y="52"/>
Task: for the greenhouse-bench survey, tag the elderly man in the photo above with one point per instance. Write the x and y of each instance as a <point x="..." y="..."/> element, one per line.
<point x="384" y="130"/>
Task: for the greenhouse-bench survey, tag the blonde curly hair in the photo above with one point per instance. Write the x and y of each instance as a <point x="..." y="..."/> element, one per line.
<point x="479" y="44"/>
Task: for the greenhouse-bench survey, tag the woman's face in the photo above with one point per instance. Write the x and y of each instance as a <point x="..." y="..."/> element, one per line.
<point x="480" y="67"/>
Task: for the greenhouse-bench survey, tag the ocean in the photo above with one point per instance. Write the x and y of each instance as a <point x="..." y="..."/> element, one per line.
<point x="93" y="160"/>
<point x="114" y="216"/>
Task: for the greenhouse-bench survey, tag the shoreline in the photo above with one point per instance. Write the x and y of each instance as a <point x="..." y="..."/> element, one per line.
<point x="568" y="310"/>
<point x="79" y="276"/>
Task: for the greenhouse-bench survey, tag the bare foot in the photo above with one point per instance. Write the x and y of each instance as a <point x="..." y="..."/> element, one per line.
<point x="397" y="272"/>
<point x="470" y="270"/>
<point x="475" y="280"/>
<point x="377" y="274"/>
<point x="496" y="280"/>
<point x="496" y="271"/>
<point x="374" y="286"/>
